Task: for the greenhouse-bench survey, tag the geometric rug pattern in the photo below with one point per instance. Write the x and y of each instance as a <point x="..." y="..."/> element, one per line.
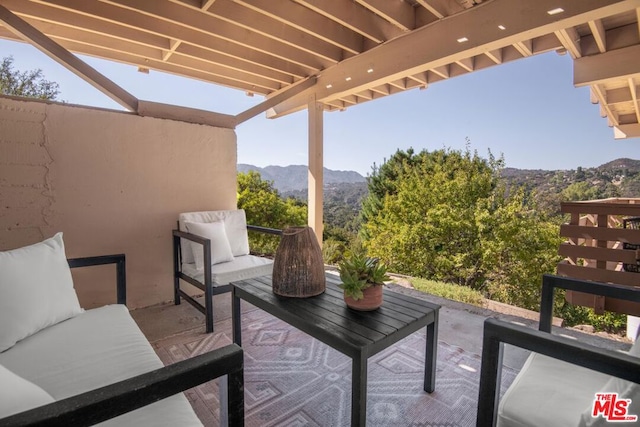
<point x="291" y="379"/>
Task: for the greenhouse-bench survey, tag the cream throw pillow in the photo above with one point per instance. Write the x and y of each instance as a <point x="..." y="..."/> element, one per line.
<point x="36" y="290"/>
<point x="220" y="248"/>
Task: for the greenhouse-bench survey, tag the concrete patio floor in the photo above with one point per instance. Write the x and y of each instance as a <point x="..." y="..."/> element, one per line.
<point x="460" y="324"/>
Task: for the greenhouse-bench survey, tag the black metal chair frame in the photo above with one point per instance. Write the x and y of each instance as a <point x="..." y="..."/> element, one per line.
<point x="497" y="333"/>
<point x="208" y="286"/>
<point x="110" y="401"/>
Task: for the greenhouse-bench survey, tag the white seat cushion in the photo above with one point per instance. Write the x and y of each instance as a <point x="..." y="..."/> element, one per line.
<point x="548" y="392"/>
<point x="91" y="350"/>
<point x="242" y="267"/>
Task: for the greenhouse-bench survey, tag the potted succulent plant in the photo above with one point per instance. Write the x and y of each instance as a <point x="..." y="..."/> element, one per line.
<point x="362" y="279"/>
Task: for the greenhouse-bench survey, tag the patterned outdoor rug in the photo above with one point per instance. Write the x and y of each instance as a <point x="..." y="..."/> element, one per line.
<point x="292" y="379"/>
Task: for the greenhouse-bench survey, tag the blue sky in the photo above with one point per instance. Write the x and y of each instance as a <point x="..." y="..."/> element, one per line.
<point x="527" y="110"/>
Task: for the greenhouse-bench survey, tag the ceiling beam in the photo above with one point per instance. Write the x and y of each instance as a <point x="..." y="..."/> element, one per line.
<point x="626" y="131"/>
<point x="430" y="49"/>
<point x="355" y="17"/>
<point x="621" y="95"/>
<point x="570" y="39"/>
<point x="525" y="47"/>
<point x="148" y="32"/>
<point x="61" y="55"/>
<point x="304" y="19"/>
<point x="236" y="23"/>
<point x="399" y="13"/>
<point x="614" y="64"/>
<point x="599" y="34"/>
<point x="275" y="100"/>
<point x="441" y="8"/>
<point x="635" y="96"/>
<point x="495" y="55"/>
<point x="601" y="96"/>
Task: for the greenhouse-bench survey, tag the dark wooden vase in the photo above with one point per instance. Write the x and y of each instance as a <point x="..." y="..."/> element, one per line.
<point x="298" y="268"/>
<point x="372" y="299"/>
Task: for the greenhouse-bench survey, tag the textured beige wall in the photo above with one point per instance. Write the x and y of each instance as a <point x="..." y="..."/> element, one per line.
<point x="113" y="182"/>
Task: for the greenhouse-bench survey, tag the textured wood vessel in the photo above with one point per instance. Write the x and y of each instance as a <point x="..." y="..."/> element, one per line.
<point x="298" y="269"/>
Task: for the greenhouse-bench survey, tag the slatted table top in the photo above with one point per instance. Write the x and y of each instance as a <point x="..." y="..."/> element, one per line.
<point x="327" y="318"/>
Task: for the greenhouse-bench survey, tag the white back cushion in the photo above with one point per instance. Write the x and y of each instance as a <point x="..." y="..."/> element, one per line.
<point x="235" y="224"/>
<point x="215" y="232"/>
<point x="18" y="395"/>
<point x="36" y="290"/>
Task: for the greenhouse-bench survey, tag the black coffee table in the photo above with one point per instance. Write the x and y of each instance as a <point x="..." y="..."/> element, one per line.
<point x="358" y="335"/>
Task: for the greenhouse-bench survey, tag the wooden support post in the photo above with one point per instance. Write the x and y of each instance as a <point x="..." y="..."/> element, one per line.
<point x="316" y="164"/>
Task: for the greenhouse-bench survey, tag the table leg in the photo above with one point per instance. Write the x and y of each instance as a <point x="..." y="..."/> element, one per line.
<point x="359" y="391"/>
<point x="236" y="326"/>
<point x="431" y="355"/>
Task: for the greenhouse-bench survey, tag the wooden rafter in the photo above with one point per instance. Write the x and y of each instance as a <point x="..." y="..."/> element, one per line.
<point x="399" y="13"/>
<point x="306" y="20"/>
<point x="355" y="17"/>
<point x="635" y="97"/>
<point x="599" y="34"/>
<point x="570" y="39"/>
<point x="525" y="47"/>
<point x="601" y="96"/>
<point x="358" y="50"/>
<point x="430" y="50"/>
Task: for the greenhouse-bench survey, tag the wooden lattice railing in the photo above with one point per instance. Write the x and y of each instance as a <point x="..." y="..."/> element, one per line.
<point x="594" y="249"/>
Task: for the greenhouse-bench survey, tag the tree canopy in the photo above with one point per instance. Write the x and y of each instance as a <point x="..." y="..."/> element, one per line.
<point x="29" y="84"/>
<point x="264" y="207"/>
<point x="444" y="215"/>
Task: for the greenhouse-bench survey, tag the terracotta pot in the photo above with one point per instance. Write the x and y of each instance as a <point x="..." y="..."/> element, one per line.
<point x="371" y="301"/>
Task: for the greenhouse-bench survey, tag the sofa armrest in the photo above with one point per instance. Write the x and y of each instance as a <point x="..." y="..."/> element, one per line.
<point x="119" y="398"/>
<point x="121" y="275"/>
<point x="265" y="230"/>
<point x="497" y="332"/>
<point x="551" y="282"/>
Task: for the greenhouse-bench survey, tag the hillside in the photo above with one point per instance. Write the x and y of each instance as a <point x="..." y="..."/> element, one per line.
<point x="294" y="177"/>
<point x="345" y="190"/>
<point x="617" y="178"/>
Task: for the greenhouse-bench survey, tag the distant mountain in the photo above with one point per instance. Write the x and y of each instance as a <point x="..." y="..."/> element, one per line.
<point x="294" y="178"/>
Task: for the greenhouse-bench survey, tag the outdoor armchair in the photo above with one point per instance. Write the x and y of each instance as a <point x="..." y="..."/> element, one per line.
<point x="211" y="250"/>
<point x="559" y="382"/>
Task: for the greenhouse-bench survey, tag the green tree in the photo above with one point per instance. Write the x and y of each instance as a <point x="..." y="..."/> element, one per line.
<point x="581" y="190"/>
<point x="30" y="84"/>
<point x="519" y="245"/>
<point x="382" y="182"/>
<point x="264" y="207"/>
<point x="450" y="218"/>
<point x="425" y="225"/>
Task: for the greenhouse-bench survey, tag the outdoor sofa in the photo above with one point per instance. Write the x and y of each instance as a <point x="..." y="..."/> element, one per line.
<point x="211" y="250"/>
<point x="558" y="383"/>
<point x="62" y="365"/>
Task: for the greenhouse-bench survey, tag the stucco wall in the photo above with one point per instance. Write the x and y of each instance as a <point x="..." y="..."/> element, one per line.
<point x="113" y="182"/>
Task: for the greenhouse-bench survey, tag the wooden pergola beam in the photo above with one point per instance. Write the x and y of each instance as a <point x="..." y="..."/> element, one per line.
<point x="430" y="50"/>
<point x="614" y="64"/>
<point x="275" y="100"/>
<point x="61" y="55"/>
